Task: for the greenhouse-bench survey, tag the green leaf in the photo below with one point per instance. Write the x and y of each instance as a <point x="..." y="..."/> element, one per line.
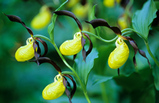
<point x="82" y="67"/>
<point x="143" y="18"/>
<point x="97" y="79"/>
<point x="155" y="71"/>
<point x="157" y="4"/>
<point x="52" y="25"/>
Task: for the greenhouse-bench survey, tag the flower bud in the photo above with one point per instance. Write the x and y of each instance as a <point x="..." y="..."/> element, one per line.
<point x="120" y="54"/>
<point x="122" y="22"/>
<point x="81" y="11"/>
<point x="42" y="19"/>
<point x="72" y="47"/>
<point x="55" y="89"/>
<point x="26" y="52"/>
<point x="110" y="3"/>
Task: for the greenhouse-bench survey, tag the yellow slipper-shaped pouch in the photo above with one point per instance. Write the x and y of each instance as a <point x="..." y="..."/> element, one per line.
<point x="120" y="54"/>
<point x="55" y="89"/>
<point x="72" y="47"/>
<point x="26" y="52"/>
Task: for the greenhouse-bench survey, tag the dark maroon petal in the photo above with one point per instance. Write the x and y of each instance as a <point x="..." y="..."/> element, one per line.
<point x="101" y="22"/>
<point x="83" y="49"/>
<point x="83" y="2"/>
<point x="37" y="50"/>
<point x="118" y="72"/>
<point x="84" y="54"/>
<point x="74" y="85"/>
<point x="144" y="55"/>
<point x="90" y="44"/>
<point x="70" y="14"/>
<point x="74" y="56"/>
<point x="47" y="60"/>
<point x="44" y="44"/>
<point x="68" y="93"/>
<point x="135" y="47"/>
<point x="14" y="18"/>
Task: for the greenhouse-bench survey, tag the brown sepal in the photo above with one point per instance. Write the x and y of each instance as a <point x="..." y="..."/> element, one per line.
<point x="44" y="44"/>
<point x="70" y="93"/>
<point x="37" y="50"/>
<point x="135" y="47"/>
<point x="47" y="60"/>
<point x="83" y="49"/>
<point x="83" y="2"/>
<point x="101" y="22"/>
<point x="14" y="18"/>
<point x="70" y="14"/>
<point x="90" y="45"/>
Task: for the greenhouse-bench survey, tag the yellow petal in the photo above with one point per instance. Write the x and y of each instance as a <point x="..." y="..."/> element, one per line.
<point x="42" y="19"/>
<point x="54" y="90"/>
<point x="26" y="52"/>
<point x="72" y="47"/>
<point x="119" y="56"/>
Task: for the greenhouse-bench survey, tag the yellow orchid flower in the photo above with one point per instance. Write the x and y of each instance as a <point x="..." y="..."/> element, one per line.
<point x="80" y="11"/>
<point x="55" y="89"/>
<point x="72" y="3"/>
<point x="110" y="3"/>
<point x="120" y="54"/>
<point x="72" y="47"/>
<point x="42" y="19"/>
<point x="26" y="52"/>
<point x="122" y="21"/>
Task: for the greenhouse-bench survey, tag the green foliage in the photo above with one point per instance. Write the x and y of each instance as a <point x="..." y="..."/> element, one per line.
<point x="97" y="82"/>
<point x="143" y="18"/>
<point x="83" y="68"/>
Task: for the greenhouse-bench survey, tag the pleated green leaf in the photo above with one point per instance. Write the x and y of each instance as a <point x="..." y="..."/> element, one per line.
<point x="143" y="18"/>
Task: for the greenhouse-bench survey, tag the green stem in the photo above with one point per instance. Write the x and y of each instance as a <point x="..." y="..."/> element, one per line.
<point x="127" y="9"/>
<point x="75" y="73"/>
<point x="104" y="95"/>
<point x="98" y="37"/>
<point x="149" y="51"/>
<point x="146" y="43"/>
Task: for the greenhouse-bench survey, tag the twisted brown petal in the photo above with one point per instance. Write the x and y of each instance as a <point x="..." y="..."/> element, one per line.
<point x="101" y="22"/>
<point x="14" y="18"/>
<point x="70" y="14"/>
<point x="44" y="44"/>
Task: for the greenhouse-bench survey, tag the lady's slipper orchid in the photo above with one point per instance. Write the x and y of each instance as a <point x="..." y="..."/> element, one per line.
<point x="120" y="54"/>
<point x="110" y="3"/>
<point x="55" y="89"/>
<point x="80" y="10"/>
<point x="26" y="52"/>
<point x="32" y="48"/>
<point x="72" y="47"/>
<point x="42" y="19"/>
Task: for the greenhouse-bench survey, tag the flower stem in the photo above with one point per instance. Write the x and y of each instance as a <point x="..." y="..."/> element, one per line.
<point x="98" y="37"/>
<point x="149" y="51"/>
<point x="75" y="73"/>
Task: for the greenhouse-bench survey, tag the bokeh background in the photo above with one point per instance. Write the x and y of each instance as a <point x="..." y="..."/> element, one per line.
<point x="23" y="82"/>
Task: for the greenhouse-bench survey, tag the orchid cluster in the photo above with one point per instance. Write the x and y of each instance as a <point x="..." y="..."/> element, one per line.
<point x="32" y="51"/>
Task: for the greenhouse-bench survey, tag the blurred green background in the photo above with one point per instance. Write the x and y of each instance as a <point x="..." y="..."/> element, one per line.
<point x="23" y="82"/>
